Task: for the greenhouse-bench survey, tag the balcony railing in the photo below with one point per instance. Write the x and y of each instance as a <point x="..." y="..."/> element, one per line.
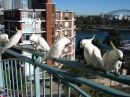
<point x="26" y="77"/>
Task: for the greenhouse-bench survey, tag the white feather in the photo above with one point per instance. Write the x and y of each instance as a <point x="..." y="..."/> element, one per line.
<point x="39" y="43"/>
<point x="56" y="49"/>
<point x="13" y="40"/>
<point x="4" y="38"/>
<point x="111" y="60"/>
<point x="92" y="54"/>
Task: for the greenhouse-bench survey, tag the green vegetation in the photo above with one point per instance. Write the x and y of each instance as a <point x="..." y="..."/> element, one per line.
<point x="87" y="23"/>
<point x="114" y="36"/>
<point x="90" y="91"/>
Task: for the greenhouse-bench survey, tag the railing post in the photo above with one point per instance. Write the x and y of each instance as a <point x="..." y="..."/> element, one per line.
<point x="1" y="72"/>
<point x="36" y="76"/>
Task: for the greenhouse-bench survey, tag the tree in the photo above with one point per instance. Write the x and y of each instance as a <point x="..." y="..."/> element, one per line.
<point x="113" y="36"/>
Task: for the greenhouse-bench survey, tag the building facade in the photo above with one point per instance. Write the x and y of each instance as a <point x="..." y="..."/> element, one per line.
<point x="48" y="23"/>
<point x="7" y="4"/>
<point x="23" y="5"/>
<point x="17" y="4"/>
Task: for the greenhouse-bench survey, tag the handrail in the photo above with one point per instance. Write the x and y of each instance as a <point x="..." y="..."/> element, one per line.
<point x="70" y="76"/>
<point x="121" y="78"/>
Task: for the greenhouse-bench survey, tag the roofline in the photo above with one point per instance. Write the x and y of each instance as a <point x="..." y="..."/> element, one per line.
<point x="65" y="10"/>
<point x="24" y="10"/>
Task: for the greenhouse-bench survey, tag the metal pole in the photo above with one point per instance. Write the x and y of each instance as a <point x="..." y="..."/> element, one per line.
<point x="1" y="72"/>
<point x="36" y="76"/>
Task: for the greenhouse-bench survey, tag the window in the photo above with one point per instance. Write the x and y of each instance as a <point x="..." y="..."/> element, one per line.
<point x="66" y="33"/>
<point x="56" y="15"/>
<point x="26" y="36"/>
<point x="66" y="14"/>
<point x="34" y="15"/>
<point x="56" y="25"/>
<point x="12" y="24"/>
<point x="40" y="1"/>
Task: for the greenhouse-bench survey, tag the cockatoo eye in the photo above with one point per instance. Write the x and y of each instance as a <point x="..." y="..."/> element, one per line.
<point x="84" y="44"/>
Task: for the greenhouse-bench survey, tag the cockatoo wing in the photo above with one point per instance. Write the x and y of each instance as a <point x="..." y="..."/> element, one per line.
<point x="47" y="55"/>
<point x="86" y="57"/>
<point x="105" y="60"/>
<point x="13" y="41"/>
<point x="52" y="53"/>
<point x="97" y="57"/>
<point x="43" y="44"/>
<point x="55" y="50"/>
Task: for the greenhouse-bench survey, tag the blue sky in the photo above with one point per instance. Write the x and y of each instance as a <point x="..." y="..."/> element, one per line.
<point x="91" y="7"/>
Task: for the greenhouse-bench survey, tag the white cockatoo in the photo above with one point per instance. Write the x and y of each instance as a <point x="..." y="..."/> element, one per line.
<point x="13" y="40"/>
<point x="4" y="38"/>
<point x="92" y="54"/>
<point x="56" y="49"/>
<point x="112" y="60"/>
<point x="39" y="43"/>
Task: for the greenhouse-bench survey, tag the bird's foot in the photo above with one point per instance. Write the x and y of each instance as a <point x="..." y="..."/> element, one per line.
<point x="116" y="74"/>
<point x="106" y="72"/>
<point x="88" y="66"/>
<point x="94" y="68"/>
<point x="53" y="59"/>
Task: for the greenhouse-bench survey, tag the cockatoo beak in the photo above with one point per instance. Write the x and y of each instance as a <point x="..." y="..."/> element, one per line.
<point x="7" y="40"/>
<point x="81" y="46"/>
<point x="31" y="42"/>
<point x="68" y="44"/>
<point x="122" y="60"/>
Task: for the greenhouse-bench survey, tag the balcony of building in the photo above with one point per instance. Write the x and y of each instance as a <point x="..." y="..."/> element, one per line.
<point x="23" y="76"/>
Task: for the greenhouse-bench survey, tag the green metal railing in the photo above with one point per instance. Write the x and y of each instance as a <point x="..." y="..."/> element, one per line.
<point x="11" y="68"/>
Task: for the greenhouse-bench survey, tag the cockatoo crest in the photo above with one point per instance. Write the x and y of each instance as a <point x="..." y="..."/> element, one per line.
<point x="63" y="35"/>
<point x="92" y="38"/>
<point x="87" y="42"/>
<point x="112" y="45"/>
<point x="17" y="31"/>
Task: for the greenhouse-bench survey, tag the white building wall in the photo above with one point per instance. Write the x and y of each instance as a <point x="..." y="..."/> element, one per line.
<point x="17" y="4"/>
<point x="23" y="5"/>
<point x="7" y="4"/>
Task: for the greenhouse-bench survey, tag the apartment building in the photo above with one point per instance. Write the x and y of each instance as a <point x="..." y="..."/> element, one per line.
<point x="17" y="4"/>
<point x="46" y="20"/>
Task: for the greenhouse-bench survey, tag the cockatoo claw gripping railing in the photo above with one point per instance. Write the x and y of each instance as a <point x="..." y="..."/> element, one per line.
<point x="14" y="83"/>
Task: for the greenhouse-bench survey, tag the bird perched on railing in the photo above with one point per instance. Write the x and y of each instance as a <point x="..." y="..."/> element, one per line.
<point x="56" y="49"/>
<point x="13" y="40"/>
<point x="112" y="60"/>
<point x="4" y="38"/>
<point x="92" y="54"/>
<point x="39" y="43"/>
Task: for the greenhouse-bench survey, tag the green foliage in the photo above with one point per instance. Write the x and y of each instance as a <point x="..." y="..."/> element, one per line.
<point x="86" y="23"/>
<point x="13" y="78"/>
<point x="90" y="91"/>
<point x="113" y="36"/>
<point x="97" y="43"/>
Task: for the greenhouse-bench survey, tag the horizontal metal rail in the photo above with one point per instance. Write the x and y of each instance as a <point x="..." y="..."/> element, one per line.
<point x="121" y="78"/>
<point x="70" y="76"/>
